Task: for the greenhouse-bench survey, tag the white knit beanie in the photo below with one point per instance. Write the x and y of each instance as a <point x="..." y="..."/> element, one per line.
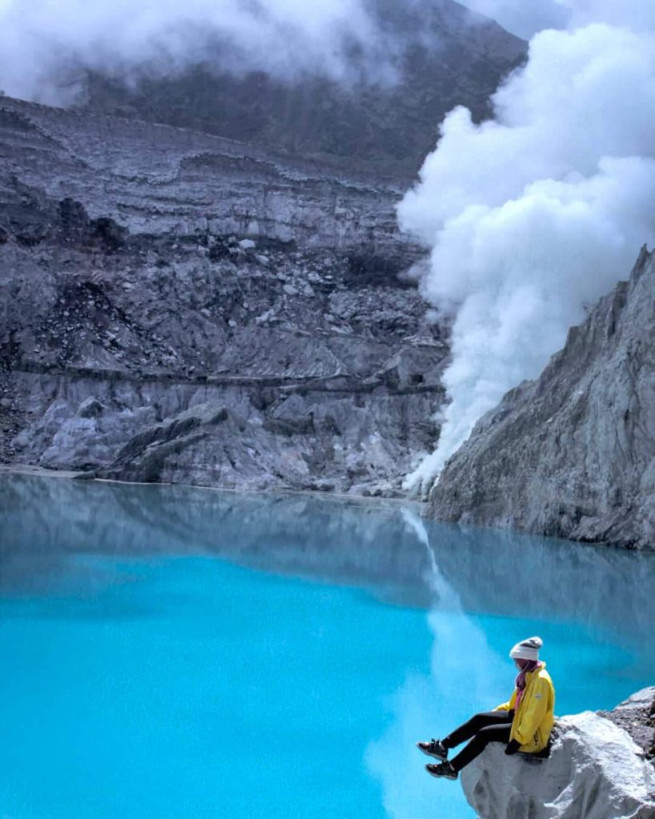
<point x="527" y="649"/>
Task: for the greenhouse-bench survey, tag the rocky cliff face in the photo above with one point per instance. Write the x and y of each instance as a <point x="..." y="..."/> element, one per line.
<point x="596" y="770"/>
<point x="573" y="453"/>
<point x="179" y="307"/>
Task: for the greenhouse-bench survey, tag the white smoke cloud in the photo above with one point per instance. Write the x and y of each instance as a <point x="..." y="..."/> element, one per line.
<point x="40" y="38"/>
<point x="536" y="214"/>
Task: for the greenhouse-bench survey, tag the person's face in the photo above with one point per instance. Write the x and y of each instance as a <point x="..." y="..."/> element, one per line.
<point x="520" y="664"/>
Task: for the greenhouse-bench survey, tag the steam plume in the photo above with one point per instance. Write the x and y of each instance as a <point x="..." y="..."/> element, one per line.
<point x="533" y="216"/>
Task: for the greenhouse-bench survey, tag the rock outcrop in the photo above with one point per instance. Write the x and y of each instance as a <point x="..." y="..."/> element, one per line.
<point x="123" y="177"/>
<point x="180" y="307"/>
<point x="571" y="454"/>
<point x="595" y="771"/>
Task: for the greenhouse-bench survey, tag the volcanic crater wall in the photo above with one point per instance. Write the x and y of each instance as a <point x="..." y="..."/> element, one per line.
<point x="572" y="454"/>
<point x="181" y="307"/>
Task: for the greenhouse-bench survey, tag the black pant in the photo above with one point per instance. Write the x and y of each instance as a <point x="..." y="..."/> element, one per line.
<point x="492" y="726"/>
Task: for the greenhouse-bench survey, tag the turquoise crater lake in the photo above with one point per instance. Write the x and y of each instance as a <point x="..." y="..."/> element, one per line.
<point x="177" y="653"/>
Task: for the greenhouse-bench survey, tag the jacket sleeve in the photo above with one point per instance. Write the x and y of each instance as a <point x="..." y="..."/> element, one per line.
<point x="507" y="706"/>
<point x="532" y="712"/>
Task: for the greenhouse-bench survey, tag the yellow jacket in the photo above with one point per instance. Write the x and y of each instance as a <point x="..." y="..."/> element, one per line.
<point x="534" y="718"/>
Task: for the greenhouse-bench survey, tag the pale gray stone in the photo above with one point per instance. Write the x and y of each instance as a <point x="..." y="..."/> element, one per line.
<point x="595" y="771"/>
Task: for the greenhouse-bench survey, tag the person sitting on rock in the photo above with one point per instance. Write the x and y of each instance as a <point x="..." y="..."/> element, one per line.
<point x="524" y="723"/>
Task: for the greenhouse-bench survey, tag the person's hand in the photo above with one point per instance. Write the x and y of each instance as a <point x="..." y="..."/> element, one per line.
<point x="512" y="747"/>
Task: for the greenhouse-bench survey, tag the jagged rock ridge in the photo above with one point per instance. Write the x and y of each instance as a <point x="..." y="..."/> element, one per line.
<point x="572" y="454"/>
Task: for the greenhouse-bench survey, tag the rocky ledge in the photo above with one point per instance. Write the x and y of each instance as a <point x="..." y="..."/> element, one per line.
<point x="596" y="770"/>
<point x="180" y="307"/>
<point x="571" y="454"/>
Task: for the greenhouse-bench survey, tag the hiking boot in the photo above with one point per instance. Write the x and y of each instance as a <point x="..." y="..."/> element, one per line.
<point x="434" y="747"/>
<point x="444" y="770"/>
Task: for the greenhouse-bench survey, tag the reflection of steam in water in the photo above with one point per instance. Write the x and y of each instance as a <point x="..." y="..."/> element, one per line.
<point x="465" y="675"/>
<point x="417" y="563"/>
<point x="444" y="595"/>
<point x="457" y="637"/>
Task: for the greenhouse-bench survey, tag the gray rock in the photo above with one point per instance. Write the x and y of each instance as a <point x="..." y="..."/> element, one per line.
<point x="573" y="453"/>
<point x="89" y="408"/>
<point x="131" y="178"/>
<point x="636" y="715"/>
<point x="595" y="771"/>
<point x="118" y="328"/>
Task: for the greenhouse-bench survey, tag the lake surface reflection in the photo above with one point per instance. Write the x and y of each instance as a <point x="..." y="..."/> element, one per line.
<point x="175" y="652"/>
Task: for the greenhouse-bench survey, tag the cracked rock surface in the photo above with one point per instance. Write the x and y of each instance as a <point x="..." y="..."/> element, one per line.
<point x="180" y="307"/>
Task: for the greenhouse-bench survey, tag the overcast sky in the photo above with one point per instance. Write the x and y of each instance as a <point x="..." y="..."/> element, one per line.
<point x="523" y="17"/>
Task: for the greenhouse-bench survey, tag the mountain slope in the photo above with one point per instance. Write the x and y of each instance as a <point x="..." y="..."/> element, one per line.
<point x="572" y="454"/>
<point x="443" y="56"/>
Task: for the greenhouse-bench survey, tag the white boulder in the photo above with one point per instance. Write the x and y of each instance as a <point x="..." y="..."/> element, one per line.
<point x="595" y="771"/>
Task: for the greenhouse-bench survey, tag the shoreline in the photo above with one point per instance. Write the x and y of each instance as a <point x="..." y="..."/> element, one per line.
<point x="33" y="471"/>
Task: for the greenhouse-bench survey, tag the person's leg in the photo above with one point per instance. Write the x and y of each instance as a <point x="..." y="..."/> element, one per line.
<point x="492" y="733"/>
<point x="475" y="724"/>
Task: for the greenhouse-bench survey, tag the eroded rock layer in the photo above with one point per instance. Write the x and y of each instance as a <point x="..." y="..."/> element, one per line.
<point x="179" y="307"/>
